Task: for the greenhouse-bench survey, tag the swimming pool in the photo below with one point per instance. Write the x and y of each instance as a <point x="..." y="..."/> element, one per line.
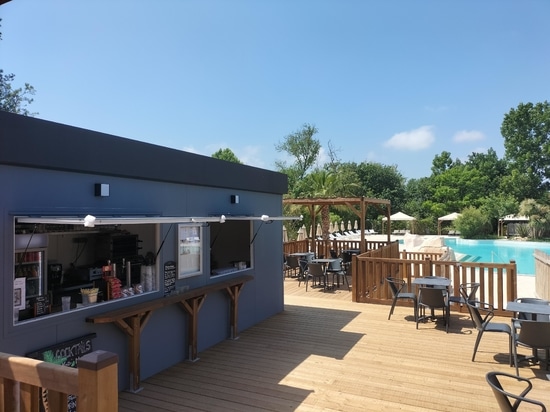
<point x="499" y="251"/>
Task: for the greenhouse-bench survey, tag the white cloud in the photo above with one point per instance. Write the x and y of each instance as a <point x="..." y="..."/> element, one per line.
<point x="250" y="155"/>
<point x="468" y="136"/>
<point x="323" y="157"/>
<point x="416" y="139"/>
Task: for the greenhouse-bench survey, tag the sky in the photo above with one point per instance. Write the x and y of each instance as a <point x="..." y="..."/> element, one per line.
<point x="390" y="81"/>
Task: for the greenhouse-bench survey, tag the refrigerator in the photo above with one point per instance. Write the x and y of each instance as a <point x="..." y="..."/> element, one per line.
<point x="30" y="280"/>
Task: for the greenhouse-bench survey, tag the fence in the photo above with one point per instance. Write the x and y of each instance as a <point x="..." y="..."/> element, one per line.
<point x="498" y="282"/>
<point x="542" y="274"/>
<point x="94" y="383"/>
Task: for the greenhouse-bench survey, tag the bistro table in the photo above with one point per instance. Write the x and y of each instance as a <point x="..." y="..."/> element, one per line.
<point x="432" y="281"/>
<point x="534" y="308"/>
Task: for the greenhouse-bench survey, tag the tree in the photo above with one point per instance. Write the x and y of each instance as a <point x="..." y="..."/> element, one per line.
<point x="443" y="162"/>
<point x="303" y="148"/>
<point x="526" y="132"/>
<point x="14" y="100"/>
<point x="227" y="155"/>
<point x="322" y="184"/>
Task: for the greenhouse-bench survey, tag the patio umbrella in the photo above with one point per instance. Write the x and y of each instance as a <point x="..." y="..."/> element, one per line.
<point x="342" y="227"/>
<point x="301" y="233"/>
<point x="349" y="225"/>
<point x="355" y="227"/>
<point x="319" y="231"/>
<point x="333" y="227"/>
<point x="285" y="234"/>
<point x="310" y="231"/>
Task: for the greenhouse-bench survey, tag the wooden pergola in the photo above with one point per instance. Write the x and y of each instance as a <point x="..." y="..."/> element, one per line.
<point x="358" y="205"/>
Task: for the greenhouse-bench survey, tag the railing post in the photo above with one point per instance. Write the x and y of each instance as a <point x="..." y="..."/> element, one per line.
<point x="98" y="382"/>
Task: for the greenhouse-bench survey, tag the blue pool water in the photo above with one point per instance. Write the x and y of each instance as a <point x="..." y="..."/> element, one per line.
<point x="499" y="251"/>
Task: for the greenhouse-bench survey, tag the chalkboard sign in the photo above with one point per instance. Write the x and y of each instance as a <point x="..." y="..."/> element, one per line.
<point x="64" y="353"/>
<point x="42" y="305"/>
<point x="169" y="277"/>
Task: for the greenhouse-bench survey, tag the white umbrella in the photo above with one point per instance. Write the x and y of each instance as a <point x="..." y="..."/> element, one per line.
<point x="301" y="233"/>
<point x="333" y="227"/>
<point x="349" y="225"/>
<point x="285" y="234"/>
<point x="342" y="227"/>
<point x="310" y="231"/>
<point x="319" y="231"/>
<point x="355" y="227"/>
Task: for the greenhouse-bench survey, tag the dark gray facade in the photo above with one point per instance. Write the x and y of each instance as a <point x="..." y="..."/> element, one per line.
<point x="49" y="169"/>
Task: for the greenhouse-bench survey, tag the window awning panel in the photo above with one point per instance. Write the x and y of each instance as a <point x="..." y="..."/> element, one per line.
<point x="91" y="221"/>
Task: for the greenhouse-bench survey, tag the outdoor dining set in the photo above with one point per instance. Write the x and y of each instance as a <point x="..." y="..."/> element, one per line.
<point x="529" y="326"/>
<point x="319" y="270"/>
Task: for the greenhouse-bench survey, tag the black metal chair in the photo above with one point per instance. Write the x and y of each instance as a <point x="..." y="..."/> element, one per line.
<point x="532" y="334"/>
<point x="433" y="298"/>
<point x="293" y="264"/>
<point x="315" y="271"/>
<point x="396" y="286"/>
<point x="483" y="323"/>
<point x="335" y="268"/>
<point x="508" y="401"/>
<point x="303" y="272"/>
<point x="466" y="291"/>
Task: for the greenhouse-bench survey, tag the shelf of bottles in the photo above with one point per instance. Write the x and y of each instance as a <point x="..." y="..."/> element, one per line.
<point x="30" y="265"/>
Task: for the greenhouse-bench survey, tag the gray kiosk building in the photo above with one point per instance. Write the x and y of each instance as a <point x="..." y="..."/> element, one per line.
<point x="103" y="236"/>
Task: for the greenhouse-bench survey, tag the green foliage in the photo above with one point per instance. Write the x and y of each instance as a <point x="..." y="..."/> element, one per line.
<point x="302" y="147"/>
<point x="473" y="223"/>
<point x="487" y="187"/>
<point x="227" y="155"/>
<point x="539" y="216"/>
<point x="12" y="99"/>
<point x="526" y="132"/>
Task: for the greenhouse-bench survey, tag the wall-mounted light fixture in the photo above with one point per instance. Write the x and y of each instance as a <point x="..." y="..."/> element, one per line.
<point x="101" y="189"/>
<point x="235" y="199"/>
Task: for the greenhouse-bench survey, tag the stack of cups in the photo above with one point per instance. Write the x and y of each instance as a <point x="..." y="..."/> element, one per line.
<point x="147" y="278"/>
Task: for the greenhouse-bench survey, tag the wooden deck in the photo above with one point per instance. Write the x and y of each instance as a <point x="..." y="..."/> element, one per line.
<point x="326" y="353"/>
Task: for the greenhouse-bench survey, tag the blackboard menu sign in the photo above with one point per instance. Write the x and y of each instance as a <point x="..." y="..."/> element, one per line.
<point x="169" y="277"/>
<point x="41" y="305"/>
<point x="64" y="353"/>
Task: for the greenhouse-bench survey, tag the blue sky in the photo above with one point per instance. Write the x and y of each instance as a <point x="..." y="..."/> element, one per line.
<point x="395" y="82"/>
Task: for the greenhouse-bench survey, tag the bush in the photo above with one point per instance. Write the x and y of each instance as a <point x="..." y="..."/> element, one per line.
<point x="473" y="223"/>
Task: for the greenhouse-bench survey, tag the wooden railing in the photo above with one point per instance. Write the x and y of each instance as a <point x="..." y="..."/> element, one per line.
<point x="94" y="383"/>
<point x="542" y="274"/>
<point x="498" y="282"/>
<point x="323" y="247"/>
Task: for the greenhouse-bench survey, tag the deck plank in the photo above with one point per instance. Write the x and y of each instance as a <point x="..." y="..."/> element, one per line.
<point x="326" y="353"/>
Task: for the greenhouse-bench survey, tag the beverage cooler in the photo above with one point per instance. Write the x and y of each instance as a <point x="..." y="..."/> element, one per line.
<point x="30" y="282"/>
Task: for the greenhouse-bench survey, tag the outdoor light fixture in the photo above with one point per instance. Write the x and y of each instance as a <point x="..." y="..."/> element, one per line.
<point x="101" y="189"/>
<point x="89" y="221"/>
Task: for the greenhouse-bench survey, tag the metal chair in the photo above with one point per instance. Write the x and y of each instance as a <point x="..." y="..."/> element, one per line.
<point x="303" y="273"/>
<point x="507" y="401"/>
<point x="433" y="298"/>
<point x="396" y="287"/>
<point x="335" y="268"/>
<point x="293" y="264"/>
<point x="532" y="334"/>
<point x="467" y="291"/>
<point x="483" y="323"/>
<point x="315" y="271"/>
